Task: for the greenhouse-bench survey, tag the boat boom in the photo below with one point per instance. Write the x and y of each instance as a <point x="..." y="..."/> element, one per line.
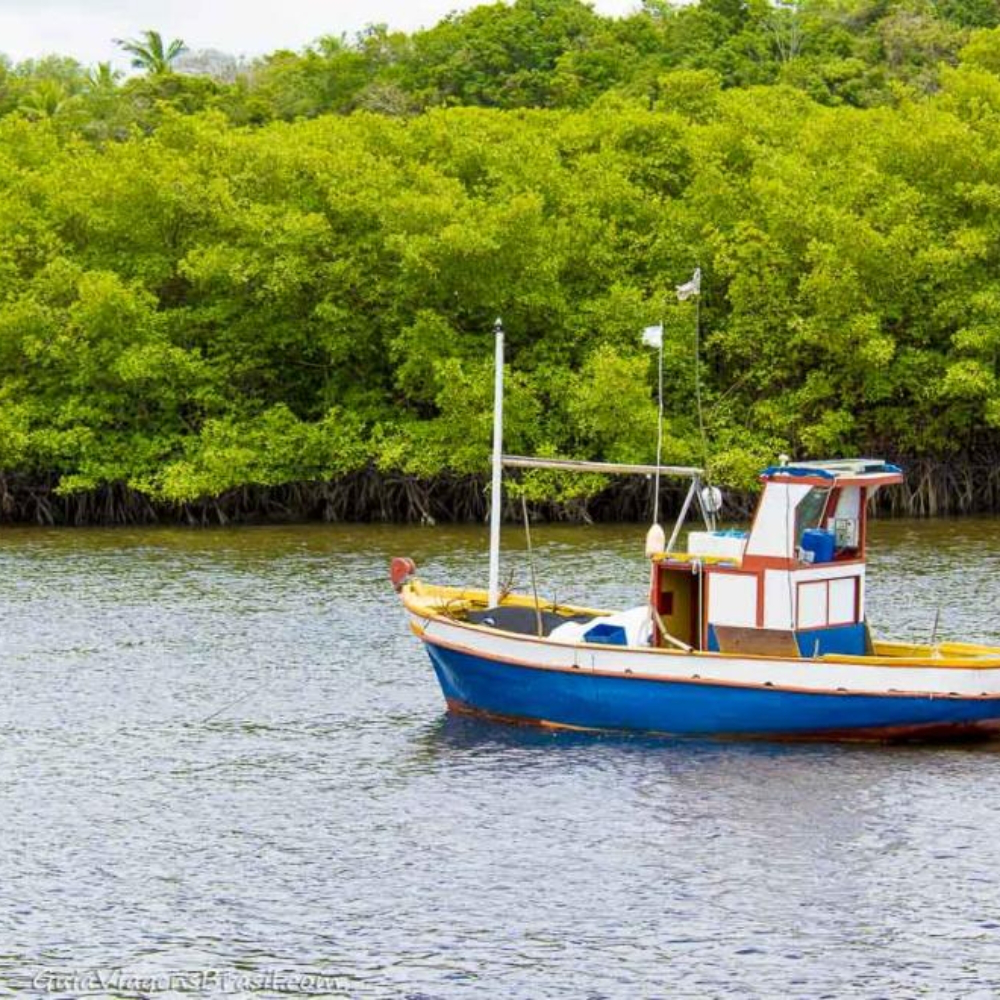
<point x="608" y="468"/>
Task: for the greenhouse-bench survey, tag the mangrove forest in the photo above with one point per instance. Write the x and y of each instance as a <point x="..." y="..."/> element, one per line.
<point x="245" y="290"/>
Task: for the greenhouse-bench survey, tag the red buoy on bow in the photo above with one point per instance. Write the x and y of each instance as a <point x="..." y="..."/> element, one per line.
<point x="400" y="570"/>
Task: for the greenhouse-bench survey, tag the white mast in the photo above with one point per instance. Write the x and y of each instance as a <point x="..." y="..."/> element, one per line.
<point x="496" y="499"/>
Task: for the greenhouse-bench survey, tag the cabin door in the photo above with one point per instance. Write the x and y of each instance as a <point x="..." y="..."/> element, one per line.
<point x="677" y="603"/>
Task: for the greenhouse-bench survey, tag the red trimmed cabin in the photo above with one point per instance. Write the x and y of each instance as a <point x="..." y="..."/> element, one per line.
<point x="794" y="585"/>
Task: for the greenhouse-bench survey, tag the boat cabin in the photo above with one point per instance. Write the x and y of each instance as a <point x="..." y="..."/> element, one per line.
<point x="794" y="584"/>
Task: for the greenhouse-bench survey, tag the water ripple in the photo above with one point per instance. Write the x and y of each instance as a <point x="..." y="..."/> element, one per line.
<point x="223" y="750"/>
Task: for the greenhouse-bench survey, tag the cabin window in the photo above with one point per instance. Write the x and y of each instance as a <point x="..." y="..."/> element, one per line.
<point x="827" y="602"/>
<point x="809" y="513"/>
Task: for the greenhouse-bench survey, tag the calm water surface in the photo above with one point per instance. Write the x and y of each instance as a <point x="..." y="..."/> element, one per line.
<point x="222" y="750"/>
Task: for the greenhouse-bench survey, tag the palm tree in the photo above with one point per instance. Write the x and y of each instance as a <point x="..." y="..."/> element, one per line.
<point x="149" y="53"/>
<point x="103" y="79"/>
<point x="45" y="100"/>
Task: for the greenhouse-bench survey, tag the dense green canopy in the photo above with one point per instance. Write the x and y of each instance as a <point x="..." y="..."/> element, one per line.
<point x="198" y="293"/>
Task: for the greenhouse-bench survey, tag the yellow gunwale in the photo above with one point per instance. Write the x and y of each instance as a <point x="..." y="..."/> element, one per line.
<point x="439" y="603"/>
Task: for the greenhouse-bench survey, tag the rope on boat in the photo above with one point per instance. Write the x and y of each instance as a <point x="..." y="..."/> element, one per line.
<point x="531" y="567"/>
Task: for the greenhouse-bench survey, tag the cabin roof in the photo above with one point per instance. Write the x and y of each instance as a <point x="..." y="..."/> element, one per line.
<point x="837" y="471"/>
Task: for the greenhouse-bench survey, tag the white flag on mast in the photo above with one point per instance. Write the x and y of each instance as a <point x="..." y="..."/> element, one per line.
<point x="652" y="336"/>
<point x="689" y="288"/>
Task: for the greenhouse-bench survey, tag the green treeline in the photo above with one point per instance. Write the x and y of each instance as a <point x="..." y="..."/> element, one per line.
<point x="216" y="289"/>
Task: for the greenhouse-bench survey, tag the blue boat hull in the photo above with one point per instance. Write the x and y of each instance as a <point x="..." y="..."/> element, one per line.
<point x="582" y="700"/>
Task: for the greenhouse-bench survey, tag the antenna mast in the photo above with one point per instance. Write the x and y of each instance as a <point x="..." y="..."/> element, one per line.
<point x="496" y="499"/>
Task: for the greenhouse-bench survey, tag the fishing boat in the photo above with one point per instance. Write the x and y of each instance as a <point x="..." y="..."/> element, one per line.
<point x="749" y="634"/>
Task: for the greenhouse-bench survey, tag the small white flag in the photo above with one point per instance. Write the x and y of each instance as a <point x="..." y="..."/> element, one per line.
<point x="689" y="288"/>
<point x="652" y="336"/>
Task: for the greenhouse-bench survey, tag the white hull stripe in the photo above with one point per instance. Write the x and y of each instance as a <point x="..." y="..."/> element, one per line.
<point x="819" y="676"/>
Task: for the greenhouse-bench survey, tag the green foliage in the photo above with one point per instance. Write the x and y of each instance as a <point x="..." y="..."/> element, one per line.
<point x="207" y="285"/>
<point x="543" y="54"/>
<point x="983" y="50"/>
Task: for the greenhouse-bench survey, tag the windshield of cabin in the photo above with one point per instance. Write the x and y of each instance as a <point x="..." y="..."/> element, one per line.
<point x="809" y="512"/>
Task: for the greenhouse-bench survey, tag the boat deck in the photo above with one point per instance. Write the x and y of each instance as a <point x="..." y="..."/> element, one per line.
<point x="516" y="615"/>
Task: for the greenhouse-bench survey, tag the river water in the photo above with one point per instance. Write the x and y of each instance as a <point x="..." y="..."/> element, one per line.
<point x="225" y="769"/>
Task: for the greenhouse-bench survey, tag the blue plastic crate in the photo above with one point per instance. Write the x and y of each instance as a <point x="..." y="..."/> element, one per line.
<point x="821" y="543"/>
<point x="607" y="635"/>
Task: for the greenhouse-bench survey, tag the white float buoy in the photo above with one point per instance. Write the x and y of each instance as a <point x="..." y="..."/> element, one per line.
<point x="656" y="541"/>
